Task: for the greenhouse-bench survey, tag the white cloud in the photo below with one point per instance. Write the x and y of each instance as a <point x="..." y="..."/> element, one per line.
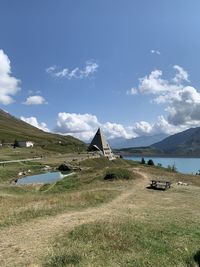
<point x="115" y="130"/>
<point x="157" y="52"/>
<point x="51" y="69"/>
<point x="182" y="101"/>
<point x="77" y="73"/>
<point x="79" y="125"/>
<point x="154" y="84"/>
<point x="35" y="100"/>
<point x="181" y="74"/>
<point x="9" y="85"/>
<point x="132" y="91"/>
<point x="158" y="127"/>
<point x="33" y="121"/>
<point x="84" y="126"/>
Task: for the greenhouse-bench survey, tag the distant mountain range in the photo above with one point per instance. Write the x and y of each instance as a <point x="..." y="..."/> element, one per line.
<point x="12" y="129"/>
<point x="136" y="142"/>
<point x="186" y="143"/>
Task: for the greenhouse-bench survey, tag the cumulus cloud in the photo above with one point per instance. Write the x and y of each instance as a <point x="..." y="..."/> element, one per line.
<point x="115" y="130"/>
<point x="35" y="100"/>
<point x="76" y="73"/>
<point x="9" y="85"/>
<point x="34" y="122"/>
<point x="157" y="52"/>
<point x="182" y="101"/>
<point x="79" y="125"/>
<point x="84" y="126"/>
<point x="158" y="127"/>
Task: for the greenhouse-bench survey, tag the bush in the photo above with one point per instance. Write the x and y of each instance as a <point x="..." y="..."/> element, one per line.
<point x="63" y="167"/>
<point x="143" y="161"/>
<point x="150" y="162"/>
<point x="117" y="174"/>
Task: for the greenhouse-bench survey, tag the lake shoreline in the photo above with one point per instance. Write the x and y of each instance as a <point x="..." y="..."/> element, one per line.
<point x="183" y="165"/>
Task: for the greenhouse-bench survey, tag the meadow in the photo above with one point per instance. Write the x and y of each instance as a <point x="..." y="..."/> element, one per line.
<point x="86" y="220"/>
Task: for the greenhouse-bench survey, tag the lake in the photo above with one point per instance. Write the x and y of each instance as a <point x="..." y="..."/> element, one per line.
<point x="48" y="177"/>
<point x="183" y="165"/>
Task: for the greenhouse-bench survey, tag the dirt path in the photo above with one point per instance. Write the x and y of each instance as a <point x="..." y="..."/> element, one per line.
<point x="26" y="244"/>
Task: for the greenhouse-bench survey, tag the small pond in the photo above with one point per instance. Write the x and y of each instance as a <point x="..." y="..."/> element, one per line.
<point x="48" y="177"/>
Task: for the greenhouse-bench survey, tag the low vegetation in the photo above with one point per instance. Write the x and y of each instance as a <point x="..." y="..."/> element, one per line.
<point x="86" y="220"/>
<point x="40" y="205"/>
<point x="149" y="228"/>
<point x="118" y="173"/>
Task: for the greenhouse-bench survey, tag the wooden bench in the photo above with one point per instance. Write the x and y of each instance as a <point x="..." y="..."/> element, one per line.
<point x="162" y="185"/>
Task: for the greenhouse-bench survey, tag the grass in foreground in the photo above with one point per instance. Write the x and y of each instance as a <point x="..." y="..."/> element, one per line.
<point x="156" y="229"/>
<point x="127" y="243"/>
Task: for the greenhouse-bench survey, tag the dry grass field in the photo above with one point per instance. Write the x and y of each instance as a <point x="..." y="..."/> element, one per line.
<point x="84" y="220"/>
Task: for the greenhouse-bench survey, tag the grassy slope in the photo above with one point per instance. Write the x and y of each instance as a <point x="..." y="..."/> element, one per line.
<point x="142" y="228"/>
<point x="12" y="129"/>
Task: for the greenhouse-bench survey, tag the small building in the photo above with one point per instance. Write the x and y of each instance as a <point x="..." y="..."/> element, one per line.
<point x="100" y="144"/>
<point x="25" y="144"/>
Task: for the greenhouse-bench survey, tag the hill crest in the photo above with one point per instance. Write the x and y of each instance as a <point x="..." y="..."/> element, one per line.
<point x="12" y="128"/>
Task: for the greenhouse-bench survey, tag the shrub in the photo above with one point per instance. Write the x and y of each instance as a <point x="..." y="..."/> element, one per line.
<point x="150" y="162"/>
<point x="118" y="173"/>
<point x="64" y="167"/>
<point x="143" y="161"/>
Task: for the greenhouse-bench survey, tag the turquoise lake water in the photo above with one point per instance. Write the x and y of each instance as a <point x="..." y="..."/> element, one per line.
<point x="183" y="165"/>
<point x="48" y="177"/>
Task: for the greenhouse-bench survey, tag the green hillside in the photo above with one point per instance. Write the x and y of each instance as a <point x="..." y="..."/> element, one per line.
<point x="12" y="129"/>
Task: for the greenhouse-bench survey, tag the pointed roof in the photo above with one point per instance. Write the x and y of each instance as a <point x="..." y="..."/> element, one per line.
<point x="99" y="143"/>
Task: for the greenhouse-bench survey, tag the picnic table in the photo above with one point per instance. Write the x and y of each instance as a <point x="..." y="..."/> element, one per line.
<point x="162" y="185"/>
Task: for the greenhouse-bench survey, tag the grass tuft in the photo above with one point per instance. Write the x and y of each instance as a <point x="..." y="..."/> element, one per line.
<point x="62" y="259"/>
<point x="118" y="174"/>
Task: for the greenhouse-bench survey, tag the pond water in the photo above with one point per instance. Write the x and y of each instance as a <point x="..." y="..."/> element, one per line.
<point x="48" y="177"/>
<point x="183" y="165"/>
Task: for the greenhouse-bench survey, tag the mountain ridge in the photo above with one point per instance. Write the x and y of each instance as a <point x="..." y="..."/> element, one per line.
<point x="140" y="141"/>
<point x="184" y="144"/>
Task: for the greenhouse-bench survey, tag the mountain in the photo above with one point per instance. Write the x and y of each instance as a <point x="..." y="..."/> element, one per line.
<point x="183" y="143"/>
<point x="136" y="142"/>
<point x="12" y="129"/>
<point x="186" y="143"/>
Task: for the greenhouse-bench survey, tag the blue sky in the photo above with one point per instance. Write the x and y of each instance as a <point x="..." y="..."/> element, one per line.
<point x="129" y="66"/>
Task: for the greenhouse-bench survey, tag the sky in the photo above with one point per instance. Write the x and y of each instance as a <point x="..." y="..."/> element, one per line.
<point x="130" y="67"/>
